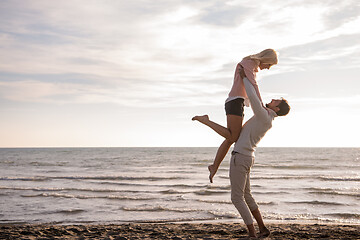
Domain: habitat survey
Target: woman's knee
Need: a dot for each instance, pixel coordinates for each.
(234, 135)
(232, 138)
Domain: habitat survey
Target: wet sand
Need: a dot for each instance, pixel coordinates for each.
(176, 231)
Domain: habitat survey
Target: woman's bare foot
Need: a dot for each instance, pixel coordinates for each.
(202, 119)
(212, 171)
(264, 232)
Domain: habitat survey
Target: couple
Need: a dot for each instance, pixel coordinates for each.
(244, 91)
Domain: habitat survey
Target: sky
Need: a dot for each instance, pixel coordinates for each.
(107, 73)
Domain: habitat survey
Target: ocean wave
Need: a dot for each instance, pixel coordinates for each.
(172, 191)
(329, 191)
(214, 201)
(289, 177)
(226, 187)
(70, 211)
(58, 189)
(344, 215)
(181, 171)
(224, 215)
(159, 209)
(269, 192)
(47, 178)
(132, 178)
(39, 189)
(327, 178)
(184, 219)
(48, 164)
(266, 203)
(275, 177)
(210, 192)
(229, 202)
(288, 217)
(224, 177)
(215, 214)
(350, 194)
(73, 189)
(312, 167)
(24, 178)
(315, 202)
(122, 183)
(280, 177)
(59, 195)
(182, 186)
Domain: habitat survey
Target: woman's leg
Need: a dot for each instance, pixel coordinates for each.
(222, 131)
(234, 124)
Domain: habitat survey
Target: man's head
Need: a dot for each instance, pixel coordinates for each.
(280, 106)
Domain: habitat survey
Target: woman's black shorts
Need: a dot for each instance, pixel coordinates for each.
(235, 107)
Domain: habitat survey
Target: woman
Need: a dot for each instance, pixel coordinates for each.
(234, 104)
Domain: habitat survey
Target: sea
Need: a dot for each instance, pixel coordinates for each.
(156, 185)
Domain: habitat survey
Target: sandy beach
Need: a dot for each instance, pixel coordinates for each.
(176, 231)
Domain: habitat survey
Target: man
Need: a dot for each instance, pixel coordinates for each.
(242, 158)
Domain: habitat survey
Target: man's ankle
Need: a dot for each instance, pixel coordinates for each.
(263, 229)
(251, 230)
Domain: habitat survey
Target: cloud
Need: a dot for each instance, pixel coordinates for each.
(225, 15)
(162, 94)
(149, 51)
(341, 52)
(342, 13)
(330, 101)
(145, 59)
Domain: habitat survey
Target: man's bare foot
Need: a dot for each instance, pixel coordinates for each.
(202, 119)
(212, 171)
(264, 232)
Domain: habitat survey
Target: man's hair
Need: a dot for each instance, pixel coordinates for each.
(284, 108)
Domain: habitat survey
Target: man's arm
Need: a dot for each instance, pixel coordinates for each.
(245, 72)
(255, 102)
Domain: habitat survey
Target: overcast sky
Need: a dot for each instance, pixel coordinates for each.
(78, 73)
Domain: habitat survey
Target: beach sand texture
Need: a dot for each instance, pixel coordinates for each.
(176, 231)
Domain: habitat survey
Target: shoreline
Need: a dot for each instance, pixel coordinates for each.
(200, 221)
(214, 230)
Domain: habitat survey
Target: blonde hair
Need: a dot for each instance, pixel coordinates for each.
(267, 56)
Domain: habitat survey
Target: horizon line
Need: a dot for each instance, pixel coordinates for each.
(170, 147)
